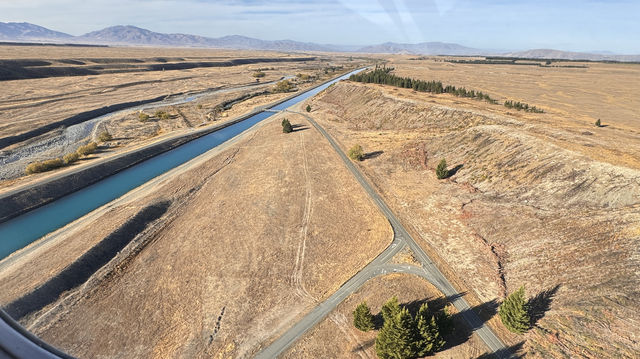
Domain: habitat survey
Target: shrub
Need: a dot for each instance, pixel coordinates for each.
(308, 108)
(441, 171)
(87, 149)
(286, 126)
(303, 76)
(105, 136)
(44, 166)
(362, 317)
(70, 158)
(356, 153)
(598, 123)
(514, 312)
(143, 117)
(162, 115)
(258, 74)
(283, 86)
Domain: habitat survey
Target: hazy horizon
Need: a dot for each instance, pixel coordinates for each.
(585, 26)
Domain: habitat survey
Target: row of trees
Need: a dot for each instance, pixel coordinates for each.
(403, 335)
(383, 75)
(521, 106)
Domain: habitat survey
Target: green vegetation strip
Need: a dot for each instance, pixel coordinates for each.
(383, 76)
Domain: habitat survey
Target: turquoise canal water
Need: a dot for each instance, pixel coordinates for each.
(18, 232)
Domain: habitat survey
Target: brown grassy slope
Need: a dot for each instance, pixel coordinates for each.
(259, 233)
(527, 205)
(336, 337)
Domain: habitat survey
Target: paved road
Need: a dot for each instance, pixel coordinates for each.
(379, 266)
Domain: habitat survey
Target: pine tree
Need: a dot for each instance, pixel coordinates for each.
(441, 170)
(362, 317)
(390, 308)
(514, 312)
(308, 108)
(286, 126)
(598, 123)
(430, 340)
(397, 338)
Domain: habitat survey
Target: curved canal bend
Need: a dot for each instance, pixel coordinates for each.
(20, 231)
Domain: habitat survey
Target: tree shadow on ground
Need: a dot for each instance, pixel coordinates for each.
(454, 170)
(541, 303)
(467, 321)
(508, 352)
(363, 346)
(297, 128)
(370, 155)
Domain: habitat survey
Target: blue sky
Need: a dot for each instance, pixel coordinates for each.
(493, 24)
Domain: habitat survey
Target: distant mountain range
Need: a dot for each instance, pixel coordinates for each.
(26, 31)
(131, 35)
(424, 48)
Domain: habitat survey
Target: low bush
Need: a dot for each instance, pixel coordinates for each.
(162, 115)
(259, 74)
(356, 153)
(87, 149)
(105, 136)
(70, 158)
(283, 86)
(143, 117)
(43, 166)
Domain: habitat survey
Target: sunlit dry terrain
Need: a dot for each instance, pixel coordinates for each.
(548, 201)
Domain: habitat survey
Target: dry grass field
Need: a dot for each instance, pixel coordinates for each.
(601, 90)
(29, 103)
(541, 200)
(256, 234)
(46, 86)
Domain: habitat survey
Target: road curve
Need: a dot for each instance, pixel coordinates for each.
(379, 266)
